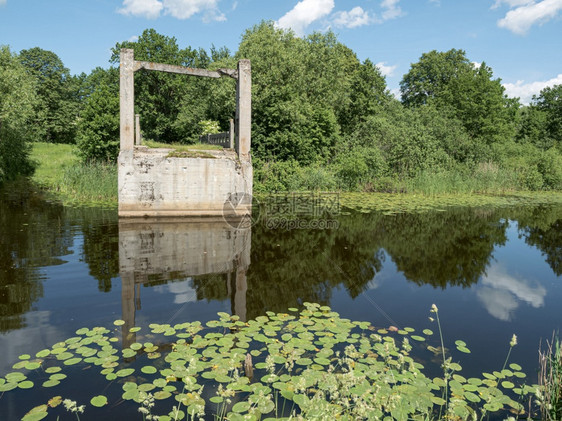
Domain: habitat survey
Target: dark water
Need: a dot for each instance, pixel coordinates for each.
(492, 273)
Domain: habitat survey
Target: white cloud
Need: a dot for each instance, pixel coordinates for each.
(391, 10)
(512, 3)
(184, 9)
(526, 14)
(385, 69)
(179, 9)
(149, 9)
(502, 293)
(134, 38)
(525, 91)
(183, 291)
(476, 64)
(2, 2)
(304, 13)
(352, 19)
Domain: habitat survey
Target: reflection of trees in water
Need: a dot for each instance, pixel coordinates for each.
(35, 233)
(101, 247)
(542, 228)
(291, 267)
(31, 235)
(443, 248)
(214, 286)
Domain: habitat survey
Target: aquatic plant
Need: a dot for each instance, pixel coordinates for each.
(549, 396)
(311, 364)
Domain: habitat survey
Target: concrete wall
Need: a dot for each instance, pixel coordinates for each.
(153, 184)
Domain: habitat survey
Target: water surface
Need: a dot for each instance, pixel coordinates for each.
(492, 273)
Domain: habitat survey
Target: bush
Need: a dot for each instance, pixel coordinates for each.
(98, 129)
(550, 167)
(359, 166)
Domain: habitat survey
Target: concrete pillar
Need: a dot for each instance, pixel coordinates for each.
(231, 133)
(127, 99)
(240, 294)
(137, 130)
(244, 110)
(128, 308)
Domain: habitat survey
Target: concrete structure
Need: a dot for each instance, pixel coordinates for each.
(177, 249)
(160, 182)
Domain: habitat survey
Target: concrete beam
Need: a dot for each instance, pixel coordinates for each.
(127, 99)
(244, 110)
(170, 68)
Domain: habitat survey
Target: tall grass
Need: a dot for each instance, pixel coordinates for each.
(90, 183)
(550, 380)
(60, 172)
(485, 178)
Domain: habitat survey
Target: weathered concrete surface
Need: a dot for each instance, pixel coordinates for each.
(244, 110)
(153, 184)
(127, 99)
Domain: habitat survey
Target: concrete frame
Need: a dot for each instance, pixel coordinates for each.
(199, 187)
(243, 76)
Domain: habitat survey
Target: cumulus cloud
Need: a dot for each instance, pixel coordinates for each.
(525, 14)
(391, 9)
(511, 3)
(149, 9)
(179, 9)
(184, 9)
(525, 91)
(386, 70)
(352, 19)
(502, 293)
(2, 2)
(304, 13)
(183, 291)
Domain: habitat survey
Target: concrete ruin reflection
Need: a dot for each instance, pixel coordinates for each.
(168, 249)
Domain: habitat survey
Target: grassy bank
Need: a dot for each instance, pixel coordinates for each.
(61, 173)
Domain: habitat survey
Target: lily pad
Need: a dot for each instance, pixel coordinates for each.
(99, 401)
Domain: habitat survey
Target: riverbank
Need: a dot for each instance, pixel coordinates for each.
(61, 174)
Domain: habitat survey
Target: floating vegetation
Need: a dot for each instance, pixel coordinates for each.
(390, 203)
(311, 364)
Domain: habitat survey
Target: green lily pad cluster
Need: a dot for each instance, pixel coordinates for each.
(308, 364)
(392, 203)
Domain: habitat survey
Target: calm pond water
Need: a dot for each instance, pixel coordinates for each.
(493, 272)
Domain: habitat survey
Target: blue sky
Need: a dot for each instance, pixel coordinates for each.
(520, 39)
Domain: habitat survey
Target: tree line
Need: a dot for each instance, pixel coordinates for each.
(321, 118)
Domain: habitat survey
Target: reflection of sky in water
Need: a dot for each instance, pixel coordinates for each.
(183, 291)
(502, 293)
(38, 334)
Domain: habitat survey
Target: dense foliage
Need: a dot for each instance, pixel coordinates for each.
(321, 118)
(17, 99)
(56, 108)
